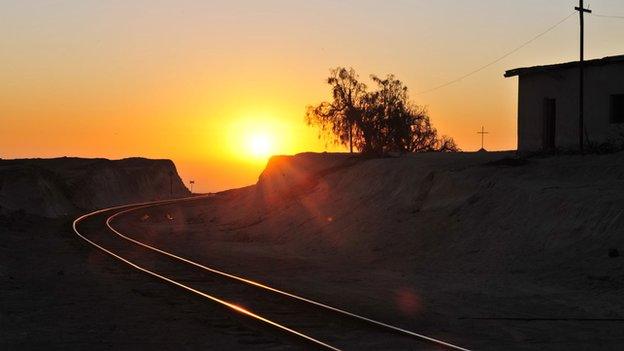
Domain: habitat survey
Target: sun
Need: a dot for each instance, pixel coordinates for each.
(259, 145)
(254, 138)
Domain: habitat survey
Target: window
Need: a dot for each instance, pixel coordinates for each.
(617, 108)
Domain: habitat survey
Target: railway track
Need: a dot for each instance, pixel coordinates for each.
(313, 323)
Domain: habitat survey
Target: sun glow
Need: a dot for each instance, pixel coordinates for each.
(260, 145)
(256, 136)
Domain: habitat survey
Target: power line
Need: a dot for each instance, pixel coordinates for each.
(498, 59)
(607, 16)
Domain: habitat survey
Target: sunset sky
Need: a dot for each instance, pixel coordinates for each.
(216, 85)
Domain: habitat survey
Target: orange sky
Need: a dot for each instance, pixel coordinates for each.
(194, 80)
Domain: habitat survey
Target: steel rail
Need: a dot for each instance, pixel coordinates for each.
(188, 288)
(275, 290)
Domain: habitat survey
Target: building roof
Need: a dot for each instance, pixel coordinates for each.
(542, 69)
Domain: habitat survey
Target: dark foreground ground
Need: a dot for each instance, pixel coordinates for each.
(56, 293)
(478, 310)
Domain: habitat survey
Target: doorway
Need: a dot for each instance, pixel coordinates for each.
(549, 124)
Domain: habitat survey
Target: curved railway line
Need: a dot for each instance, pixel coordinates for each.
(312, 322)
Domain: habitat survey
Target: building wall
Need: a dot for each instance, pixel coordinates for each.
(600, 83)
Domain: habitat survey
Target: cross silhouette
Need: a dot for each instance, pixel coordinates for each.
(482, 132)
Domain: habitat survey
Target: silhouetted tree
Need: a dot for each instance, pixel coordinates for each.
(343, 113)
(375, 122)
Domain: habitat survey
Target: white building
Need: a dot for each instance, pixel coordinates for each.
(548, 104)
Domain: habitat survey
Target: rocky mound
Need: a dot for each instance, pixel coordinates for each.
(67, 185)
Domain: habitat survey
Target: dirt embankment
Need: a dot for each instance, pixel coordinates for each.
(62, 186)
(484, 211)
(492, 252)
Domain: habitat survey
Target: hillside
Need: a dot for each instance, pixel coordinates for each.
(491, 251)
(62, 186)
(484, 209)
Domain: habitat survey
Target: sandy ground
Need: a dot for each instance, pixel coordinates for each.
(486, 253)
(56, 293)
(477, 249)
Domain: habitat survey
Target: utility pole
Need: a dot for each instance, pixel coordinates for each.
(582, 10)
(482, 132)
(191, 183)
